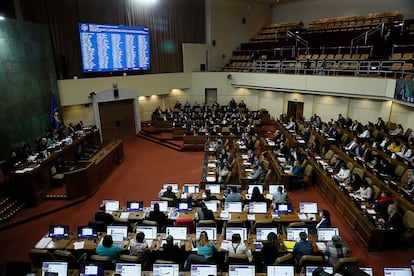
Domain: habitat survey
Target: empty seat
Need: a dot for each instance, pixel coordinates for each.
(342, 263)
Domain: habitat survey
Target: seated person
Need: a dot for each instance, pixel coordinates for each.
(295, 181)
(343, 173)
(158, 216)
(355, 181)
(203, 213)
(381, 204)
(223, 171)
(336, 249)
(257, 196)
(172, 252)
(302, 247)
(351, 145)
(325, 219)
(102, 216)
(209, 196)
(257, 175)
(270, 250)
(107, 248)
(392, 220)
(139, 247)
(410, 183)
(398, 131)
(169, 193)
(394, 147)
(280, 196)
(236, 246)
(234, 196)
(205, 252)
(384, 167)
(365, 190)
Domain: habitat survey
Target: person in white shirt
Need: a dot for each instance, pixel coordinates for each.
(365, 191)
(365, 134)
(343, 173)
(351, 145)
(236, 246)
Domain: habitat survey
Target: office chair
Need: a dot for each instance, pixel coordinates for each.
(310, 260)
(342, 263)
(73, 262)
(38, 256)
(99, 225)
(108, 265)
(285, 259)
(129, 258)
(237, 259)
(56, 177)
(207, 222)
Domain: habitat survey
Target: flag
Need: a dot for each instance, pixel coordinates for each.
(55, 119)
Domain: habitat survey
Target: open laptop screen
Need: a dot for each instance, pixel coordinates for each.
(261, 233)
(250, 188)
(128, 269)
(91, 269)
(245, 270)
(236, 230)
(308, 207)
(257, 207)
(284, 208)
(211, 205)
(280, 270)
(165, 269)
(191, 188)
(178, 233)
(292, 233)
(134, 205)
(59, 267)
(119, 233)
(111, 205)
(211, 232)
(214, 188)
(397, 271)
(87, 232)
(273, 189)
(150, 232)
(58, 231)
(184, 206)
(163, 205)
(174, 187)
(325, 234)
(203, 269)
(233, 207)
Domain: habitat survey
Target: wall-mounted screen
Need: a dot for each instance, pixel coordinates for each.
(404, 91)
(107, 48)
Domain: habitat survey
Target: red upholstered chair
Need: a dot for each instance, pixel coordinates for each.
(187, 222)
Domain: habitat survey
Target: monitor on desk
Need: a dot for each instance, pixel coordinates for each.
(261, 233)
(397, 271)
(237, 187)
(150, 232)
(128, 269)
(292, 233)
(174, 187)
(91, 269)
(58, 231)
(211, 205)
(325, 234)
(184, 206)
(214, 188)
(257, 207)
(111, 205)
(284, 208)
(236, 230)
(178, 232)
(163, 205)
(308, 208)
(87, 232)
(280, 270)
(251, 187)
(210, 230)
(203, 269)
(191, 188)
(134, 205)
(119, 233)
(233, 207)
(310, 269)
(55, 268)
(273, 189)
(240, 269)
(165, 269)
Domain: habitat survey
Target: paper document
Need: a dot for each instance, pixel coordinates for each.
(43, 243)
(302, 217)
(124, 215)
(321, 246)
(78, 245)
(251, 217)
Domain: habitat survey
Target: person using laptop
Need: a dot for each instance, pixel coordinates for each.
(102, 216)
(209, 196)
(108, 248)
(325, 219)
(302, 247)
(257, 196)
(172, 252)
(158, 216)
(139, 247)
(234, 196)
(270, 250)
(203, 213)
(236, 246)
(169, 193)
(205, 252)
(280, 196)
(336, 249)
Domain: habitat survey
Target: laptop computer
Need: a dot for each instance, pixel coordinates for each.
(54, 268)
(367, 270)
(178, 232)
(184, 206)
(233, 207)
(280, 270)
(191, 188)
(211, 205)
(214, 188)
(150, 232)
(91, 269)
(134, 205)
(397, 271)
(128, 269)
(273, 189)
(284, 208)
(310, 269)
(163, 205)
(87, 232)
(257, 207)
(325, 234)
(111, 205)
(240, 269)
(239, 230)
(165, 269)
(261, 233)
(292, 233)
(58, 231)
(308, 208)
(119, 233)
(174, 187)
(211, 232)
(203, 269)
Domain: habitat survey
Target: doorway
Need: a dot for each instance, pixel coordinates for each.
(295, 110)
(117, 119)
(210, 96)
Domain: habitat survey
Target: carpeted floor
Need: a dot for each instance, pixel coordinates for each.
(146, 167)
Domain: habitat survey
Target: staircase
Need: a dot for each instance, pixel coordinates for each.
(9, 207)
(165, 139)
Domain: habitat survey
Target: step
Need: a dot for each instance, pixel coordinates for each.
(158, 140)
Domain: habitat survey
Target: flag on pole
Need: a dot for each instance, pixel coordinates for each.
(55, 119)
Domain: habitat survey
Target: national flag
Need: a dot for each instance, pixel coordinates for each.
(55, 119)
